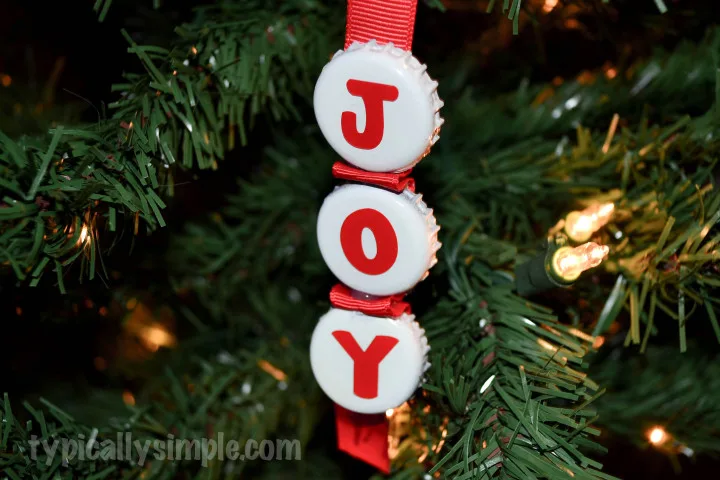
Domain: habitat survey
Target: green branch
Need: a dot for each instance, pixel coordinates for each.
(61, 191)
(263, 391)
(510, 377)
(664, 388)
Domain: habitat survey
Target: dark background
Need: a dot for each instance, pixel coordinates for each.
(35, 34)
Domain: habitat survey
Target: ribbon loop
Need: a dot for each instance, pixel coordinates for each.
(397, 182)
(393, 306)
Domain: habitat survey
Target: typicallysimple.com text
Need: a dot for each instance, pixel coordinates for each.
(123, 447)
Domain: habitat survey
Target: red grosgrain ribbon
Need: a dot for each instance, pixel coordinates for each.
(382, 20)
(363, 436)
(366, 436)
(397, 182)
(392, 306)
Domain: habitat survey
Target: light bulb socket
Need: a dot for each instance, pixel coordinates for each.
(539, 273)
(553, 268)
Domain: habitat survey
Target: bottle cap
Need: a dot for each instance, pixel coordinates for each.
(368, 364)
(376, 241)
(377, 107)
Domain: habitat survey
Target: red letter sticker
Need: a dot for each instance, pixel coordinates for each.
(385, 239)
(366, 363)
(373, 96)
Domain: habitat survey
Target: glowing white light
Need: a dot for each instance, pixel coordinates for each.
(580, 225)
(657, 436)
(569, 263)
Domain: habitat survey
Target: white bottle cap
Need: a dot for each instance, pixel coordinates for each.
(376, 241)
(394, 88)
(368, 364)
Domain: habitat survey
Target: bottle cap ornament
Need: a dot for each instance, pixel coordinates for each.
(376, 241)
(377, 107)
(368, 364)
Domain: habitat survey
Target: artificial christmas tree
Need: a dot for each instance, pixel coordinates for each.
(163, 274)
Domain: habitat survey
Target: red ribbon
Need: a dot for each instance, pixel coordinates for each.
(364, 437)
(384, 21)
(396, 182)
(392, 306)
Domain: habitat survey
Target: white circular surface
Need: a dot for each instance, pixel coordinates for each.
(399, 372)
(376, 241)
(410, 121)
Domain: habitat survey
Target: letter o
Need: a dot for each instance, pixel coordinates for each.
(385, 239)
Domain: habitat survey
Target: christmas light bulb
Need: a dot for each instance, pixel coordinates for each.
(568, 262)
(83, 235)
(549, 5)
(155, 336)
(657, 435)
(128, 398)
(580, 225)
